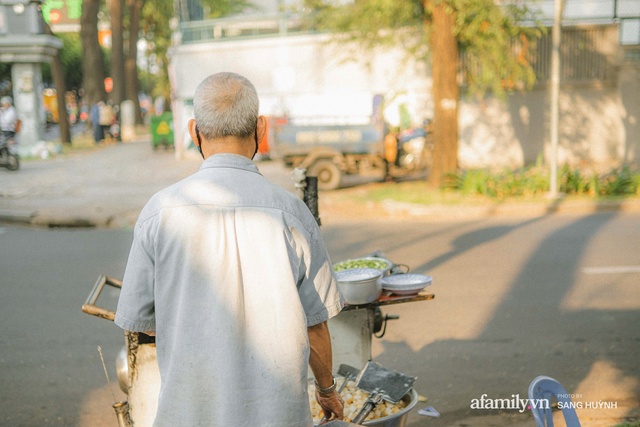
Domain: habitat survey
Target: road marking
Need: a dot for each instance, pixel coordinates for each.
(612, 270)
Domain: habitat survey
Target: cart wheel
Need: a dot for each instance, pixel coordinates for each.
(328, 174)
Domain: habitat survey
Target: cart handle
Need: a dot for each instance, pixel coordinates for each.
(90, 306)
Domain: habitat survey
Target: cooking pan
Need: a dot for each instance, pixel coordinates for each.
(381, 384)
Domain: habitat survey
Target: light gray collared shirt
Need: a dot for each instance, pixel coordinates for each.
(229, 270)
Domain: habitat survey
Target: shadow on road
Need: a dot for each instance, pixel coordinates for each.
(531, 333)
(502, 337)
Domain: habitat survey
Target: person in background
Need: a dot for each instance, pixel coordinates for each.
(8, 118)
(390, 152)
(230, 273)
(107, 118)
(94, 116)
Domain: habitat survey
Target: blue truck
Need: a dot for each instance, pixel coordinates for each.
(331, 151)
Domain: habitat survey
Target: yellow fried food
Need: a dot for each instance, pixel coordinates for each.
(354, 399)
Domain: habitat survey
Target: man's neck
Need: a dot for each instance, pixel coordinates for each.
(230, 145)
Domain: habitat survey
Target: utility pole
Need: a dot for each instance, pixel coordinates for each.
(556, 37)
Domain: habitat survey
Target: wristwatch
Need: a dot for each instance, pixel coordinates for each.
(326, 391)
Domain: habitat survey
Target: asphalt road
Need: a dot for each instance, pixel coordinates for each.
(515, 298)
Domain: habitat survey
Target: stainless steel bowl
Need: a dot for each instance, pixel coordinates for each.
(360, 285)
(399, 419)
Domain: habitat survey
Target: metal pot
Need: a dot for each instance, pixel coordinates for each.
(360, 285)
(399, 419)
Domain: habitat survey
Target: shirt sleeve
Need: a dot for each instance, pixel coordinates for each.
(318, 288)
(136, 307)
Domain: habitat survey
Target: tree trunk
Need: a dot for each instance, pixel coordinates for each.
(57, 73)
(92, 61)
(131, 69)
(444, 53)
(117, 51)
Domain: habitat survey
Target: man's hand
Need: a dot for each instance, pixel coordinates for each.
(320, 363)
(332, 405)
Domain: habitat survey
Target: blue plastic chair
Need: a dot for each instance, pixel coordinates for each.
(541, 390)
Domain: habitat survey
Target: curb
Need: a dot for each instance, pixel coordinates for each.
(69, 222)
(35, 219)
(334, 210)
(390, 210)
(18, 217)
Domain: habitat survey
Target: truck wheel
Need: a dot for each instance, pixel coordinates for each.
(328, 174)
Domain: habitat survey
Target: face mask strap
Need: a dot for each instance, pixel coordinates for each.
(256, 138)
(199, 141)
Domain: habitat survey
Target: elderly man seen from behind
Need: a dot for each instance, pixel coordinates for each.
(231, 274)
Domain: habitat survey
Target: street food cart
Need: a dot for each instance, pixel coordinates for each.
(352, 332)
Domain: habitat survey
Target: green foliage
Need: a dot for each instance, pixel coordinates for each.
(371, 23)
(474, 181)
(619, 182)
(495, 48)
(220, 8)
(156, 31)
(574, 182)
(534, 180)
(5, 78)
(71, 58)
(508, 183)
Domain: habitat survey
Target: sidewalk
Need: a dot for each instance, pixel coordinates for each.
(106, 186)
(94, 187)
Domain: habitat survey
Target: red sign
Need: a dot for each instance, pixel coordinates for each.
(108, 84)
(55, 16)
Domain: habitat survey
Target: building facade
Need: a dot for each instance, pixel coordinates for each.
(309, 78)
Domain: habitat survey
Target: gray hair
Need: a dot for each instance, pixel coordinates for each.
(226, 104)
(6, 100)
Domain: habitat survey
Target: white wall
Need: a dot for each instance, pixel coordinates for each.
(311, 79)
(307, 77)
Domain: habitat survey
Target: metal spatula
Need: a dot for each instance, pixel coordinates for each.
(349, 373)
(381, 384)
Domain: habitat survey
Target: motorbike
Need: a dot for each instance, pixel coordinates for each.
(8, 156)
(414, 149)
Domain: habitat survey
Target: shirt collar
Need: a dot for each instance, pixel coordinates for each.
(229, 160)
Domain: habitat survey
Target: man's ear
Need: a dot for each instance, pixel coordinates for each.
(262, 128)
(191, 126)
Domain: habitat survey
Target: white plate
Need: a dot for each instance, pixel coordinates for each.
(406, 284)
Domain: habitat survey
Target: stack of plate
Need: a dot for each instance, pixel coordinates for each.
(406, 284)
